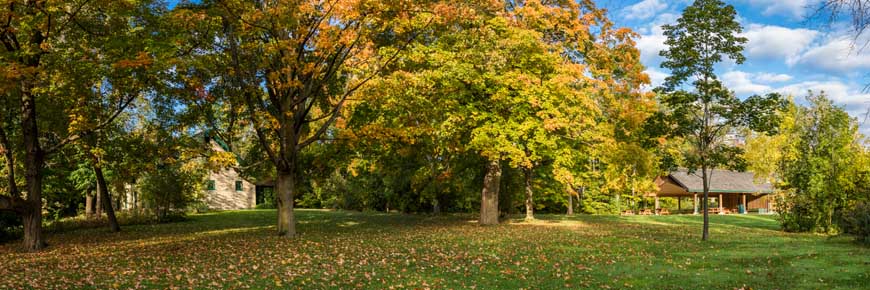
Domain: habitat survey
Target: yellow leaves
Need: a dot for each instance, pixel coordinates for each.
(222, 159)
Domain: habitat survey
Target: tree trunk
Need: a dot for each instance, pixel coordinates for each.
(570, 204)
(436, 206)
(530, 209)
(489, 195)
(89, 204)
(706, 233)
(98, 204)
(286, 186)
(120, 195)
(103, 192)
(33, 165)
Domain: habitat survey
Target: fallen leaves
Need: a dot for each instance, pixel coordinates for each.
(237, 250)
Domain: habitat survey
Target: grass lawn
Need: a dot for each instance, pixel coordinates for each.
(339, 249)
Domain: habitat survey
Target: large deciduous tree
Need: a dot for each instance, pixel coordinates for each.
(517, 83)
(291, 67)
(49, 51)
(706, 32)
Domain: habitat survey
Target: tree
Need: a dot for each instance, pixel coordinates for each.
(858, 12)
(502, 84)
(41, 83)
(705, 33)
(292, 66)
(822, 170)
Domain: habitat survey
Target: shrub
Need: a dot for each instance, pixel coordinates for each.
(856, 222)
(795, 213)
(169, 191)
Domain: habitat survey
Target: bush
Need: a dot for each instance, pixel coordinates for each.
(169, 191)
(795, 213)
(856, 222)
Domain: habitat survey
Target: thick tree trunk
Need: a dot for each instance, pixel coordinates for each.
(33, 165)
(285, 188)
(489, 195)
(706, 233)
(89, 204)
(33, 239)
(530, 209)
(103, 192)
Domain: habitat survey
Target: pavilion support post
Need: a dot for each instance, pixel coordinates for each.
(679, 206)
(657, 205)
(695, 204)
(720, 205)
(743, 201)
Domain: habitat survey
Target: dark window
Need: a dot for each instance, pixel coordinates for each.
(209, 185)
(239, 186)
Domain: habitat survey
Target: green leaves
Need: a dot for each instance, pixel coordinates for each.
(822, 167)
(705, 32)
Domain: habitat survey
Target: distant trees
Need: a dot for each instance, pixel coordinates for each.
(706, 32)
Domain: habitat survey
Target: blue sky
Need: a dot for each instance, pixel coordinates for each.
(785, 53)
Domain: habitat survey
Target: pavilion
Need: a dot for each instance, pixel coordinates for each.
(729, 190)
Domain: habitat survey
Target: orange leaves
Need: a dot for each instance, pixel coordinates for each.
(142, 60)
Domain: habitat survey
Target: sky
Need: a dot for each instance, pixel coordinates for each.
(786, 53)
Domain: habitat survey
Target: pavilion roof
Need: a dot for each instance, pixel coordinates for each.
(721, 181)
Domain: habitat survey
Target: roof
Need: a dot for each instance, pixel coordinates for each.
(725, 181)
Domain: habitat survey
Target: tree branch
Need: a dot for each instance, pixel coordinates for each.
(98, 128)
(351, 90)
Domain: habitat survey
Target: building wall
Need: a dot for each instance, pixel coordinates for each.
(733, 200)
(756, 202)
(225, 196)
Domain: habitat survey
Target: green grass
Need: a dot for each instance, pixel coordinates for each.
(338, 249)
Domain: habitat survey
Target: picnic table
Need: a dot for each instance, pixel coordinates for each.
(716, 210)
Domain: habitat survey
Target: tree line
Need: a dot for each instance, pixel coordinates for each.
(417, 106)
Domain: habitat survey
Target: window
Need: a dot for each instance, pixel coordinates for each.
(210, 185)
(238, 185)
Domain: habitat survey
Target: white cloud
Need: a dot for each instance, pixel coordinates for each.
(651, 44)
(837, 91)
(741, 83)
(836, 55)
(643, 10)
(772, 78)
(849, 97)
(796, 9)
(776, 42)
(656, 77)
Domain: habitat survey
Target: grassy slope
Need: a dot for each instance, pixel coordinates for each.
(353, 250)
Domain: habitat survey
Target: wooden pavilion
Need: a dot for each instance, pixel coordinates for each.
(729, 189)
